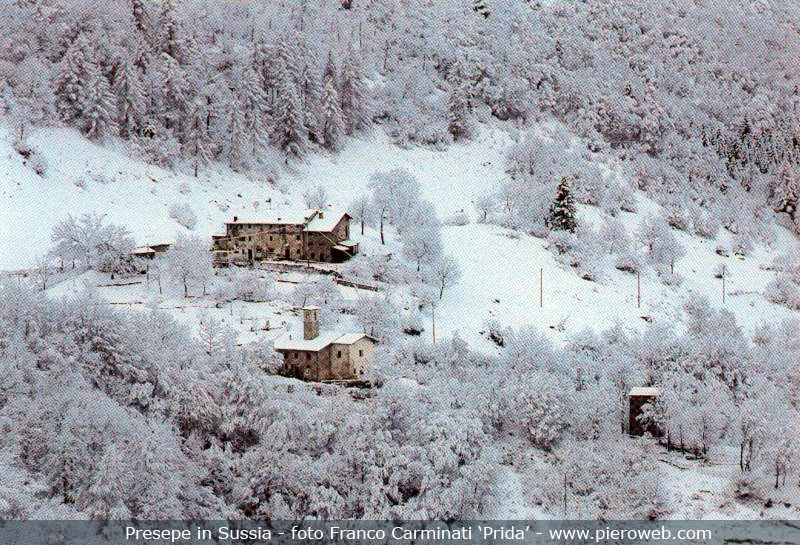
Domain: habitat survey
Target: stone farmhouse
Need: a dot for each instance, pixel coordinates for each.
(324, 356)
(314, 235)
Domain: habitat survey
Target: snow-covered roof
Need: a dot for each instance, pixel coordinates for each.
(327, 222)
(641, 391)
(350, 338)
(280, 217)
(293, 341)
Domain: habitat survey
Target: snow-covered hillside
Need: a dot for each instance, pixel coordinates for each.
(576, 289)
(502, 268)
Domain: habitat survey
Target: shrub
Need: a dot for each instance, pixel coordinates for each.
(183, 214)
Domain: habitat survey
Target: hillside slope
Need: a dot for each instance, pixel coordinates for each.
(501, 280)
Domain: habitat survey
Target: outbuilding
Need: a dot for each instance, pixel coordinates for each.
(637, 398)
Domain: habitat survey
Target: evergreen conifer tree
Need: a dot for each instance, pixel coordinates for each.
(562, 210)
(98, 114)
(256, 110)
(352, 94)
(332, 123)
(70, 83)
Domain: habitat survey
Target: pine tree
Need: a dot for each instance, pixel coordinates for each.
(175, 93)
(288, 116)
(70, 83)
(98, 115)
(312, 99)
(131, 98)
(169, 30)
(256, 110)
(196, 141)
(332, 124)
(352, 94)
(562, 210)
(330, 69)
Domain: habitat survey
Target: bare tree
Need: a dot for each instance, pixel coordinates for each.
(447, 272)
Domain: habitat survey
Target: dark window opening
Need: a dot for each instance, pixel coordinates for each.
(360, 352)
(339, 354)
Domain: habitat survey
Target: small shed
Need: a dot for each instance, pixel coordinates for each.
(637, 398)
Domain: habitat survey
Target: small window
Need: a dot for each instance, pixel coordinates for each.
(270, 238)
(339, 354)
(308, 355)
(360, 353)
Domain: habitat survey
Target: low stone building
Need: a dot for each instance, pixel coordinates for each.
(314, 235)
(151, 251)
(637, 398)
(324, 355)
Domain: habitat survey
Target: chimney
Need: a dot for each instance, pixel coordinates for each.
(320, 214)
(310, 323)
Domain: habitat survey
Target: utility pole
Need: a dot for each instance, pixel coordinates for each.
(541, 287)
(723, 285)
(638, 290)
(433, 322)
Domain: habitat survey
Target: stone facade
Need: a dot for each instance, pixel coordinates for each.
(316, 236)
(324, 356)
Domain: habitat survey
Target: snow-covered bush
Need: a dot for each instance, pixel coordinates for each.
(458, 219)
(183, 214)
(252, 287)
(782, 291)
(377, 316)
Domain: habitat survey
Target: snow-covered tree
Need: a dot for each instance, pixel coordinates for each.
(98, 113)
(315, 197)
(353, 94)
(256, 111)
(89, 239)
(238, 135)
(197, 138)
(287, 113)
(189, 262)
(131, 97)
(72, 79)
(458, 112)
(562, 211)
(394, 193)
(660, 244)
(332, 124)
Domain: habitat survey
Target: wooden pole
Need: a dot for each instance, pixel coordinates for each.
(433, 322)
(723, 285)
(541, 287)
(638, 290)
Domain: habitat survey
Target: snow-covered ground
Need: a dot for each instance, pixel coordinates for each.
(501, 271)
